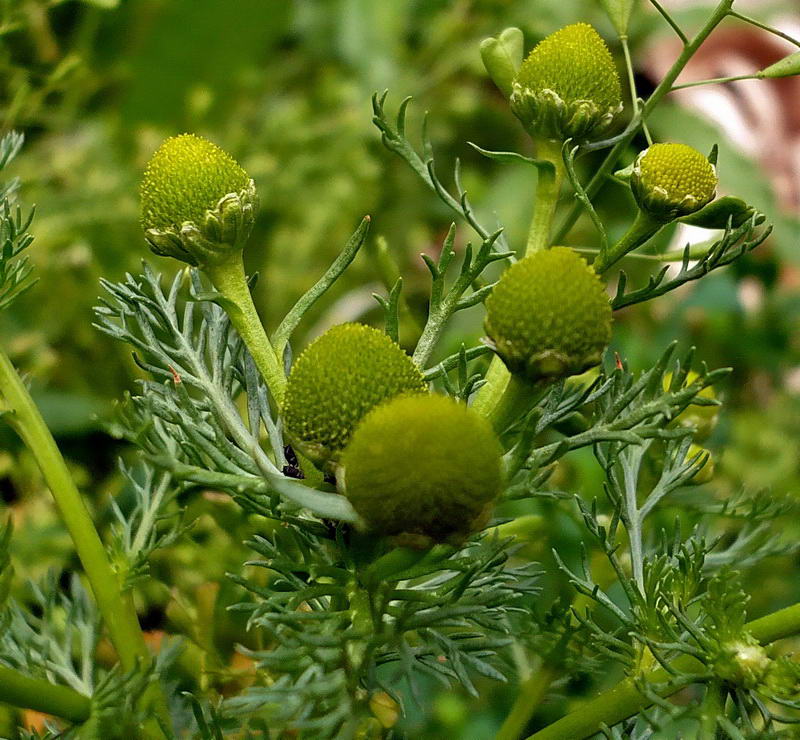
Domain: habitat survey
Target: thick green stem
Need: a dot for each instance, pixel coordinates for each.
(547, 189)
(643, 227)
(531, 693)
(116, 606)
(625, 699)
(711, 709)
(229, 279)
(33, 693)
(664, 87)
(489, 400)
(117, 610)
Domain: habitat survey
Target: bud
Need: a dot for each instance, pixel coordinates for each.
(742, 662)
(423, 466)
(568, 87)
(786, 67)
(549, 316)
(385, 709)
(705, 472)
(198, 204)
(337, 380)
(672, 180)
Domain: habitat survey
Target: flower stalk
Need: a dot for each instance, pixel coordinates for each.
(116, 605)
(33, 693)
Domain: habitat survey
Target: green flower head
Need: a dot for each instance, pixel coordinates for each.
(568, 87)
(672, 180)
(337, 380)
(197, 201)
(549, 315)
(422, 466)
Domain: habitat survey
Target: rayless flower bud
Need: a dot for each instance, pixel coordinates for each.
(549, 315)
(424, 466)
(742, 662)
(672, 180)
(198, 204)
(705, 472)
(337, 380)
(568, 87)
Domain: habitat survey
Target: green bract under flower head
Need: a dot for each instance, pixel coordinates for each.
(672, 180)
(197, 202)
(568, 87)
(549, 316)
(422, 465)
(337, 380)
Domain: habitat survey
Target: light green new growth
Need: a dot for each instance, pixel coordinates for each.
(186, 177)
(422, 465)
(673, 180)
(337, 380)
(549, 316)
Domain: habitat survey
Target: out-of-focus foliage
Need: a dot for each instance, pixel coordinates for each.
(285, 87)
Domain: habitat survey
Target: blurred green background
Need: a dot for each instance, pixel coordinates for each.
(285, 87)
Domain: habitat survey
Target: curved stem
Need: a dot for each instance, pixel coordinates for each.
(643, 227)
(34, 693)
(115, 605)
(625, 699)
(632, 84)
(229, 279)
(489, 400)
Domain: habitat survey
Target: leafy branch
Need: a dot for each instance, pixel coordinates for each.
(734, 243)
(444, 301)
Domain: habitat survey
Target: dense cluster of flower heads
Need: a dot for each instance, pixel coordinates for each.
(415, 464)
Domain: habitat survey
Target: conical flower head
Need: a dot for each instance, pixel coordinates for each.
(424, 466)
(549, 315)
(196, 200)
(568, 87)
(339, 378)
(672, 180)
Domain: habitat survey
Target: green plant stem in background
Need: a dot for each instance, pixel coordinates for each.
(643, 228)
(119, 613)
(720, 12)
(230, 280)
(531, 693)
(625, 699)
(19, 690)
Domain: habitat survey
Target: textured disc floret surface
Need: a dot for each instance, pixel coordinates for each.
(337, 380)
(187, 176)
(672, 180)
(549, 315)
(422, 465)
(568, 85)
